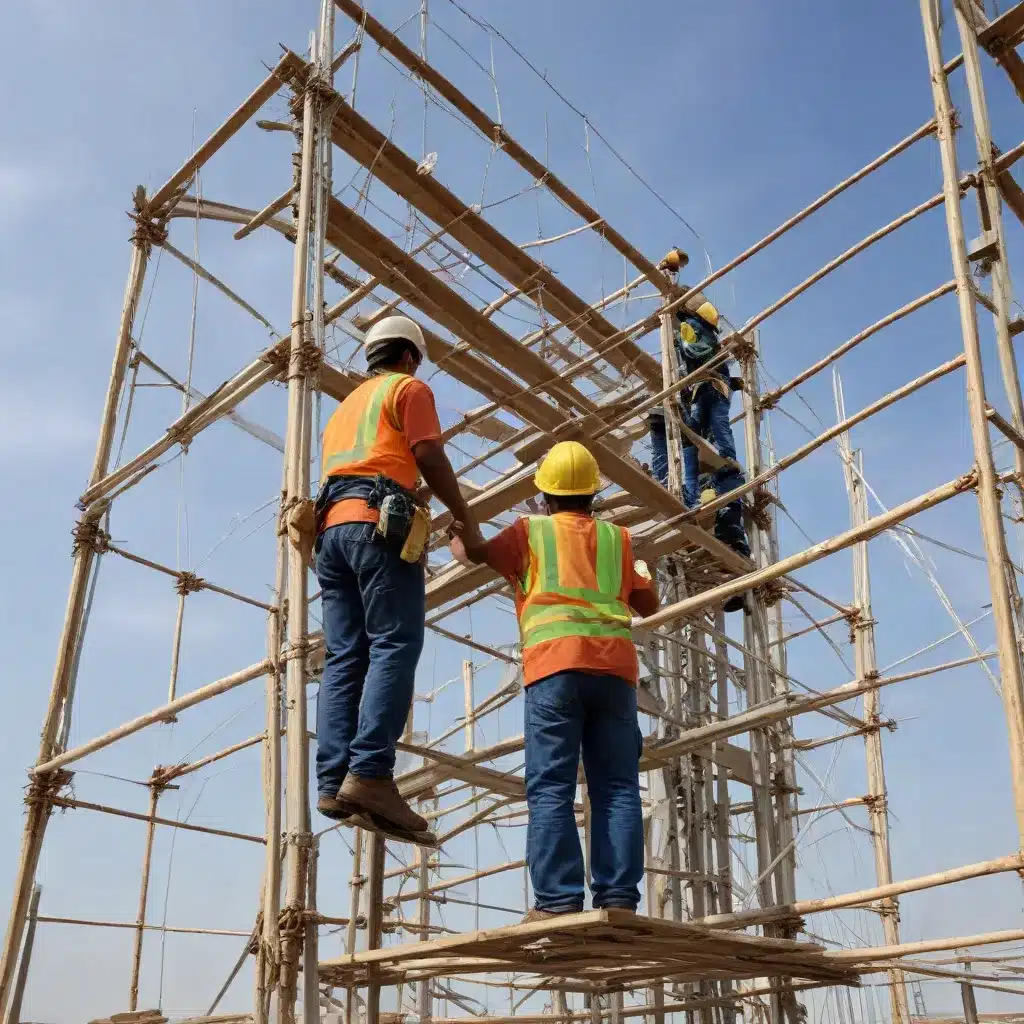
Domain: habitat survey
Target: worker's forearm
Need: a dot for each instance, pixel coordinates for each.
(439, 476)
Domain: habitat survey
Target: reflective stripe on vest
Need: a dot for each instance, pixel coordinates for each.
(550, 611)
(366, 441)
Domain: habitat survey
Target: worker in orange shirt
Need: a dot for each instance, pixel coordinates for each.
(575, 585)
(371, 531)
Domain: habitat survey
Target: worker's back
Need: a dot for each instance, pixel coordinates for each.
(364, 436)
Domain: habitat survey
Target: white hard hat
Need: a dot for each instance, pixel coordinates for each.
(393, 328)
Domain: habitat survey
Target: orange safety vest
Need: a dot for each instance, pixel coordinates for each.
(563, 596)
(364, 437)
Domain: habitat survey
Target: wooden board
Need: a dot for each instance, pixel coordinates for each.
(610, 949)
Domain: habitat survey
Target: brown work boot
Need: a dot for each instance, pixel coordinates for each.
(381, 798)
(332, 807)
(535, 915)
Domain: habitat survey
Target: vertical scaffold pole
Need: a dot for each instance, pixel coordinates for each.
(993, 537)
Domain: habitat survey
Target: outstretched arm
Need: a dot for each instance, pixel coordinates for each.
(439, 476)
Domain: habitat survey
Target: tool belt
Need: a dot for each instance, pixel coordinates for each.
(403, 519)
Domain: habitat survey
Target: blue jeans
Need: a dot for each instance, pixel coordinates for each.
(709, 417)
(374, 607)
(564, 713)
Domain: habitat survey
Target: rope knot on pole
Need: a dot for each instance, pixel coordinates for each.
(147, 233)
(772, 591)
(302, 840)
(87, 533)
(189, 583)
(44, 788)
(759, 508)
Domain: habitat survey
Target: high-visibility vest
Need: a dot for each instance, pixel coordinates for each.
(559, 597)
(364, 438)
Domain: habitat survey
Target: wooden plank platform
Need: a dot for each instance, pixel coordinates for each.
(603, 949)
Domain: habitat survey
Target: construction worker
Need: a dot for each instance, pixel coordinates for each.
(575, 582)
(704, 408)
(371, 531)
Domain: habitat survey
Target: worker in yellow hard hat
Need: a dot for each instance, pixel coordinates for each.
(576, 587)
(704, 408)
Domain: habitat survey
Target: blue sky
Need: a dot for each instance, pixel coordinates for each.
(736, 116)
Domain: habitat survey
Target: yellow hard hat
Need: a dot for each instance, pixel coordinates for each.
(708, 312)
(566, 470)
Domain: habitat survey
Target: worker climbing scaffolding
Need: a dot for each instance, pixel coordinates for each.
(372, 527)
(575, 584)
(704, 409)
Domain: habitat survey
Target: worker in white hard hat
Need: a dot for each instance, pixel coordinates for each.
(577, 587)
(705, 409)
(371, 531)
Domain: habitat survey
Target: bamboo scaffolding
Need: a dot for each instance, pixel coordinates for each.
(62, 687)
(790, 706)
(791, 911)
(274, 207)
(770, 398)
(187, 579)
(296, 490)
(14, 1010)
(988, 497)
(864, 956)
(171, 929)
(268, 437)
(830, 434)
(226, 131)
(871, 528)
(152, 819)
(140, 920)
(172, 772)
(497, 133)
(688, 673)
(161, 714)
(862, 630)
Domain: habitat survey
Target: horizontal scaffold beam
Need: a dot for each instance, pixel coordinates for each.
(361, 242)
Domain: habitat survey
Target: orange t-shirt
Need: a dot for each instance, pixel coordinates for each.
(509, 554)
(417, 413)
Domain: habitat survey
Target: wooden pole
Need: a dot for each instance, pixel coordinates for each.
(864, 897)
(670, 406)
(62, 685)
(159, 715)
(770, 398)
(140, 918)
(991, 202)
(229, 128)
(988, 492)
(269, 954)
(297, 441)
(759, 479)
(866, 955)
(310, 946)
(179, 621)
(356, 885)
(374, 921)
(766, 678)
(880, 523)
(863, 632)
(14, 1013)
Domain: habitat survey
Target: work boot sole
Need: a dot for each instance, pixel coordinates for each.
(375, 823)
(336, 810)
(381, 806)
